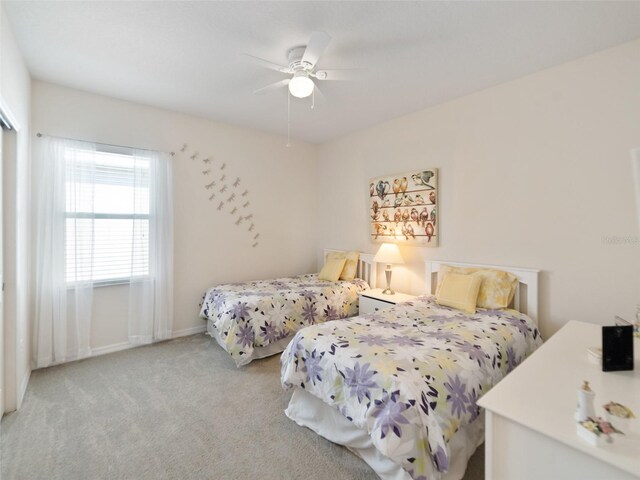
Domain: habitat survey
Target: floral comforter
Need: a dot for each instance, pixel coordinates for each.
(258, 314)
(410, 375)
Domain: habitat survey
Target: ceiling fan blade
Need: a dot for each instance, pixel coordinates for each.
(317, 43)
(273, 86)
(318, 94)
(266, 63)
(339, 74)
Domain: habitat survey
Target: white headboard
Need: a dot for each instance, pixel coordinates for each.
(366, 266)
(525, 299)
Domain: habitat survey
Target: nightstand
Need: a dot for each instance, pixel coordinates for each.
(374, 300)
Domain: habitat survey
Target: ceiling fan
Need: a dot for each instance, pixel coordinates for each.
(301, 66)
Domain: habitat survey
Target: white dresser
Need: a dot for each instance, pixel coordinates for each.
(530, 431)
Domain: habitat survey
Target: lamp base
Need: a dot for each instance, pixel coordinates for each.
(387, 272)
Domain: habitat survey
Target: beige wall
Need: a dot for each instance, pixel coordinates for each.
(209, 248)
(533, 173)
(15, 86)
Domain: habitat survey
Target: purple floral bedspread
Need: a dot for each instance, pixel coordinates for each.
(410, 375)
(257, 314)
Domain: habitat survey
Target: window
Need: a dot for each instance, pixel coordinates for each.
(107, 215)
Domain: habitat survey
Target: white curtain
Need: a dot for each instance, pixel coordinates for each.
(62, 310)
(151, 297)
(75, 191)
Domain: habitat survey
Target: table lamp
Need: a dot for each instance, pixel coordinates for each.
(388, 253)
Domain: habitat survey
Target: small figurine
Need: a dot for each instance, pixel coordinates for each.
(595, 429)
(585, 407)
(619, 415)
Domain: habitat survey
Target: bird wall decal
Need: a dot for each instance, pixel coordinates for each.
(396, 187)
(245, 193)
(223, 177)
(423, 178)
(206, 160)
(184, 147)
(223, 189)
(223, 166)
(414, 215)
(424, 216)
(235, 209)
(404, 183)
(429, 230)
(212, 196)
(210, 185)
(256, 236)
(239, 221)
(246, 204)
(249, 217)
(255, 245)
(231, 197)
(221, 205)
(194, 156)
(379, 228)
(206, 172)
(251, 227)
(382, 188)
(236, 182)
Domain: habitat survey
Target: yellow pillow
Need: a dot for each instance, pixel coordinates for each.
(350, 266)
(497, 288)
(332, 269)
(459, 291)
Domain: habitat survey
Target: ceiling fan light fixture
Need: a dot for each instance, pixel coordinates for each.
(301, 86)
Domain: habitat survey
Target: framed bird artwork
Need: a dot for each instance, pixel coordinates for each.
(403, 208)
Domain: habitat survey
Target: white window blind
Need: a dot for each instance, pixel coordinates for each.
(107, 216)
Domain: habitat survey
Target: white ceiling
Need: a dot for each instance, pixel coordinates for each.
(186, 56)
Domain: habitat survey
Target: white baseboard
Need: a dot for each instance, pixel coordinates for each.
(23, 389)
(114, 347)
(189, 331)
(117, 347)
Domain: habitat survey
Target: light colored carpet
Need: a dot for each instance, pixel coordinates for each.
(175, 410)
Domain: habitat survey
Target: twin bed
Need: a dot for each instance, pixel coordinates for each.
(399, 387)
(257, 319)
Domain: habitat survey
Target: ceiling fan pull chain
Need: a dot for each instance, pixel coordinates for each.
(313, 98)
(288, 118)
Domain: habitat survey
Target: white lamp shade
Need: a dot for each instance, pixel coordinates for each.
(301, 85)
(388, 253)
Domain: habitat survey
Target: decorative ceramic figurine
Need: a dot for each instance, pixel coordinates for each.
(585, 407)
(619, 415)
(596, 430)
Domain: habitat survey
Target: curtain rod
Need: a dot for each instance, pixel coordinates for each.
(40, 135)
